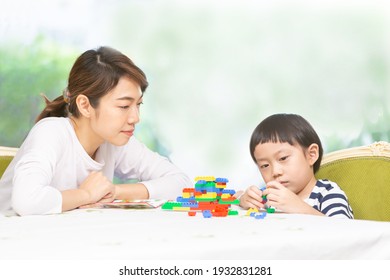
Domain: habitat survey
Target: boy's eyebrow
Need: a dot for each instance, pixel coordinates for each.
(282, 150)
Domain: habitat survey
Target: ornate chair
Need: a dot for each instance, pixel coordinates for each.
(364, 175)
(6, 156)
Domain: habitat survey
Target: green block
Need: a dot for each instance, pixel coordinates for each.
(232, 212)
(224, 202)
(205, 199)
(270, 210)
(210, 184)
(169, 205)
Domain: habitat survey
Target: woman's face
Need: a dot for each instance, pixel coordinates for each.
(118, 111)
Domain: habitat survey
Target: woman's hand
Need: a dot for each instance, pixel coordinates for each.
(98, 188)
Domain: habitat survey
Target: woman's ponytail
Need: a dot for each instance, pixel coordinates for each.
(56, 108)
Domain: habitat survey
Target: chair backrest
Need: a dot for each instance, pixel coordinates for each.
(363, 173)
(6, 156)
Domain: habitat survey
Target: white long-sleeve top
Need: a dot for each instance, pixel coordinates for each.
(52, 160)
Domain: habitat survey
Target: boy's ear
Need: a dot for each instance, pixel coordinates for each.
(83, 105)
(313, 153)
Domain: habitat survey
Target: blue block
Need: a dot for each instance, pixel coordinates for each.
(221, 180)
(260, 216)
(228, 191)
(206, 214)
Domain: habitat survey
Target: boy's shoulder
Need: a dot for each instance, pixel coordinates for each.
(325, 185)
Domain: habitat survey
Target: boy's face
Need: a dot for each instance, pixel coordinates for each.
(288, 164)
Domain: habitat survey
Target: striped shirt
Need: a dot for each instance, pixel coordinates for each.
(328, 198)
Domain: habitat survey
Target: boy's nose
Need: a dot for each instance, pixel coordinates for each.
(277, 171)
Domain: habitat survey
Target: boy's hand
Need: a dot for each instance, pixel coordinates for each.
(252, 198)
(284, 199)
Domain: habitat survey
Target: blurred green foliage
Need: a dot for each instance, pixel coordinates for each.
(25, 72)
(43, 67)
(215, 70)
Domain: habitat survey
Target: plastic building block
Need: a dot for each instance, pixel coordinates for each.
(271, 209)
(209, 195)
(206, 178)
(191, 213)
(251, 210)
(232, 212)
(169, 205)
(260, 215)
(180, 208)
(206, 214)
(221, 180)
(231, 192)
(182, 199)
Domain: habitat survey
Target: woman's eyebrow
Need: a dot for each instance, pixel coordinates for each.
(125, 98)
(129, 98)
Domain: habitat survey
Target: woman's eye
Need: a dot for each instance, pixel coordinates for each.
(124, 107)
(283, 158)
(139, 104)
(262, 166)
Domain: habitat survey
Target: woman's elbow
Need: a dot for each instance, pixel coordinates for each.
(23, 206)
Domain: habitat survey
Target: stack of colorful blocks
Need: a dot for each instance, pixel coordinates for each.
(209, 196)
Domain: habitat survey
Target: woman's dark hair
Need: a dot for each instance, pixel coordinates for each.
(283, 128)
(94, 74)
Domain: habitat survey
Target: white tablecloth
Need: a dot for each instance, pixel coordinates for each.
(159, 234)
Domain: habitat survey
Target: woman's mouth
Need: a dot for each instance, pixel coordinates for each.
(128, 133)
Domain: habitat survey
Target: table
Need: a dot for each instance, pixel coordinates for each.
(99, 234)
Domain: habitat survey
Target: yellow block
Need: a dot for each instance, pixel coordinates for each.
(251, 210)
(178, 208)
(206, 178)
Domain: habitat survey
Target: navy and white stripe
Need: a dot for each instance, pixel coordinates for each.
(328, 198)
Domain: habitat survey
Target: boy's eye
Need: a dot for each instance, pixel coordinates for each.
(283, 158)
(140, 103)
(124, 107)
(262, 166)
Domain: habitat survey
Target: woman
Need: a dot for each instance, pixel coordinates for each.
(85, 137)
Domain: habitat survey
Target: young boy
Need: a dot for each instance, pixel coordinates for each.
(288, 153)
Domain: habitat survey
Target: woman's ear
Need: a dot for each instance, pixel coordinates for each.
(83, 105)
(312, 153)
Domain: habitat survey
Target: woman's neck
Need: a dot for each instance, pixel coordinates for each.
(86, 136)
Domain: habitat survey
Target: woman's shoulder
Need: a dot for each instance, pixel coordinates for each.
(50, 130)
(57, 123)
(52, 126)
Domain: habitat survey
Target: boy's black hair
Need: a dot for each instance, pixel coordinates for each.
(290, 128)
